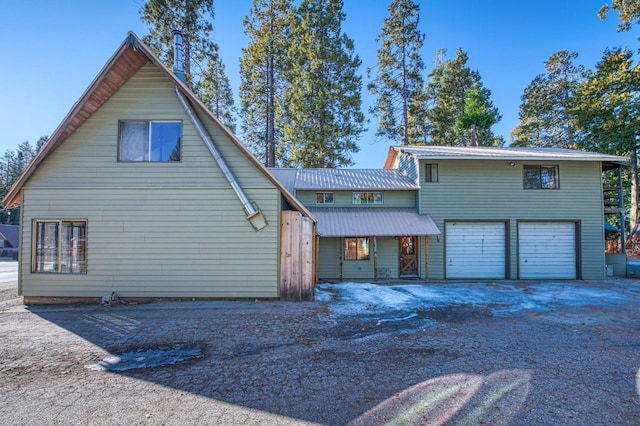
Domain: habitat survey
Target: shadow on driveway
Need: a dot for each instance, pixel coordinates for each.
(313, 362)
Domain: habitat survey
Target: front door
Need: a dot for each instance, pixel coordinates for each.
(408, 256)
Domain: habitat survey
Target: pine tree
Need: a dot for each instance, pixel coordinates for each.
(214, 90)
(201, 60)
(262, 71)
(11, 167)
(446, 94)
(322, 100)
(544, 119)
(628, 12)
(398, 83)
(607, 109)
(476, 120)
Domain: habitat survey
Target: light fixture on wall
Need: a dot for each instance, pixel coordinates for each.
(512, 164)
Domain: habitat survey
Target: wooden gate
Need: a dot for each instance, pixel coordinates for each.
(297, 243)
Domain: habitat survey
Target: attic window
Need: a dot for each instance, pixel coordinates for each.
(150, 141)
(367, 198)
(324, 197)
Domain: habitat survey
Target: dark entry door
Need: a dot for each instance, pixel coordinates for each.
(408, 256)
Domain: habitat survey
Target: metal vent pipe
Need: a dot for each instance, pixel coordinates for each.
(255, 217)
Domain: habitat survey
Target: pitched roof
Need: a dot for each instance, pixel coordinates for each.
(344, 179)
(11, 233)
(125, 62)
(374, 221)
(287, 177)
(499, 153)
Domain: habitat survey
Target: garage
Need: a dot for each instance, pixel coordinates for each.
(475, 250)
(547, 250)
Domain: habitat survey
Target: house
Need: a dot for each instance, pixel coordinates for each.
(510, 213)
(460, 213)
(9, 241)
(143, 192)
(369, 224)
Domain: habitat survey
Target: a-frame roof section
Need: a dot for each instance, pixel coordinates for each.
(125, 62)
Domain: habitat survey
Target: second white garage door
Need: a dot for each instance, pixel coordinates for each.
(475, 250)
(547, 250)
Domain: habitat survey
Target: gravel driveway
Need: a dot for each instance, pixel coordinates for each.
(293, 363)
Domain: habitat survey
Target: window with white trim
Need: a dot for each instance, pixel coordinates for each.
(431, 173)
(60, 246)
(367, 198)
(150, 141)
(324, 197)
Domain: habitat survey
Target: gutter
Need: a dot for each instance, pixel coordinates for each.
(255, 217)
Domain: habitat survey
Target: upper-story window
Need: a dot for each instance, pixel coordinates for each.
(540, 177)
(367, 198)
(324, 197)
(430, 172)
(150, 141)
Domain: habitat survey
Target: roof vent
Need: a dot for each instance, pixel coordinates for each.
(178, 55)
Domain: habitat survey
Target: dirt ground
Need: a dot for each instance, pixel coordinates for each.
(280, 363)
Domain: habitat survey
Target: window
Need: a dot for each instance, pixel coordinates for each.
(367, 198)
(60, 246)
(430, 172)
(324, 197)
(356, 248)
(540, 177)
(150, 140)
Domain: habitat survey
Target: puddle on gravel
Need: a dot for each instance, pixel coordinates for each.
(148, 358)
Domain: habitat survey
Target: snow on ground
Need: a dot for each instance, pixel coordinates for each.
(501, 298)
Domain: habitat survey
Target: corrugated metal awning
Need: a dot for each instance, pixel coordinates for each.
(372, 221)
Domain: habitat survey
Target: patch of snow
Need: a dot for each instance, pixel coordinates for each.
(501, 298)
(382, 321)
(148, 358)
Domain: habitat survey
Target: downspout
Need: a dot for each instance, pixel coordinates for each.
(255, 217)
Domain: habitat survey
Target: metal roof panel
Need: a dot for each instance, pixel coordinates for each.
(506, 153)
(372, 221)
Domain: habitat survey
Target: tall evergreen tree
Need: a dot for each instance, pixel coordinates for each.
(398, 84)
(544, 119)
(201, 59)
(262, 72)
(628, 12)
(214, 90)
(12, 164)
(479, 114)
(607, 109)
(446, 94)
(323, 117)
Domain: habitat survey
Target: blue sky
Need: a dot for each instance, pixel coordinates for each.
(50, 51)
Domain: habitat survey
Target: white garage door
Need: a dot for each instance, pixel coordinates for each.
(475, 250)
(547, 250)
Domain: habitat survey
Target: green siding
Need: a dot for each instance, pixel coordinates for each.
(154, 229)
(329, 259)
(493, 190)
(388, 261)
(396, 199)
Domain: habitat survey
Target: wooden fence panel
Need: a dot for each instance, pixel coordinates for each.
(297, 243)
